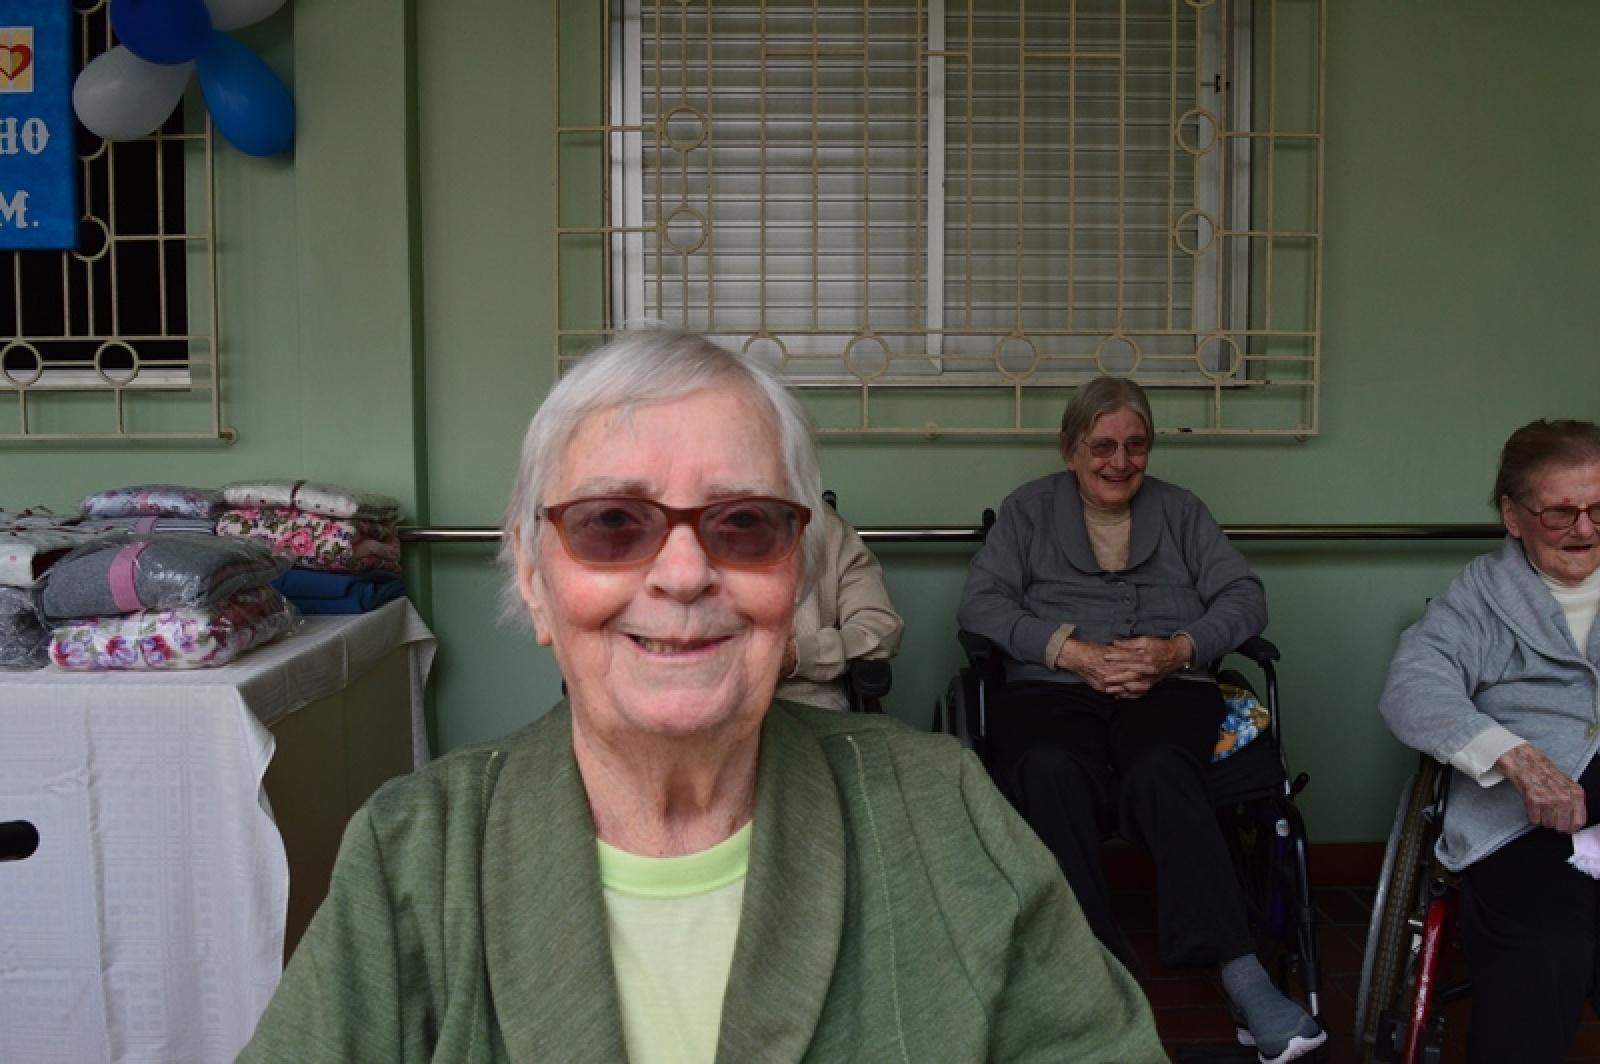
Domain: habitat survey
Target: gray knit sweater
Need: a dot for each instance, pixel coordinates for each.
(1494, 649)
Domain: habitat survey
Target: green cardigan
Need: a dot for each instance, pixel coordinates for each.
(896, 909)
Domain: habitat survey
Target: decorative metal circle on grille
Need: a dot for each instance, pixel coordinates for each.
(1235, 356)
(778, 363)
(1201, 5)
(999, 356)
(860, 362)
(1104, 348)
(1203, 120)
(94, 239)
(116, 376)
(682, 144)
(695, 224)
(1183, 223)
(9, 358)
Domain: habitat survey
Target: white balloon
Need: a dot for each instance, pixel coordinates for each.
(120, 96)
(233, 14)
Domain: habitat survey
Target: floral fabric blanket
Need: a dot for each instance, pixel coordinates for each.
(24, 637)
(31, 540)
(311, 497)
(153, 500)
(159, 571)
(186, 638)
(316, 541)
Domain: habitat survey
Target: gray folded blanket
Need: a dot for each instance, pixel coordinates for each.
(125, 574)
(24, 637)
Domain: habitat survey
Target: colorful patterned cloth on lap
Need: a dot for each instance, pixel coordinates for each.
(164, 570)
(174, 639)
(1247, 718)
(153, 500)
(315, 541)
(311, 497)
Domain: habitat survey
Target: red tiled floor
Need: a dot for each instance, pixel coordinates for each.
(1190, 1007)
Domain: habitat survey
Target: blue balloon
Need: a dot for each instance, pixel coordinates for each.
(247, 101)
(162, 31)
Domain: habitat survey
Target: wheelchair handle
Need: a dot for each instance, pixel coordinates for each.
(18, 840)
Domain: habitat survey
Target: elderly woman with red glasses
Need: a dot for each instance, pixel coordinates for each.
(671, 866)
(1501, 680)
(1109, 592)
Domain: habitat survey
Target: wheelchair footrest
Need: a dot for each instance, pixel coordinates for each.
(1216, 1053)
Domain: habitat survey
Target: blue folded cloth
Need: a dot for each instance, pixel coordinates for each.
(314, 591)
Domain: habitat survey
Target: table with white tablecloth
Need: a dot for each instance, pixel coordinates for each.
(150, 924)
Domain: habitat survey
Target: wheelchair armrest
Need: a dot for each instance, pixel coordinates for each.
(871, 678)
(983, 655)
(1258, 650)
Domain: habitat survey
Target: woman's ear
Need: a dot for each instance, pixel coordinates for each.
(1508, 517)
(531, 587)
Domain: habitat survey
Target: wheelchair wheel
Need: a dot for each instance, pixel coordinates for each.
(1388, 947)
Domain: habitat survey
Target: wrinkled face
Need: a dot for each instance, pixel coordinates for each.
(1568, 555)
(1110, 482)
(675, 646)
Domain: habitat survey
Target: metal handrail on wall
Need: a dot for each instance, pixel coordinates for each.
(942, 534)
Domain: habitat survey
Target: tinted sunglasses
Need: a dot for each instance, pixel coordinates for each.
(621, 531)
(1136, 446)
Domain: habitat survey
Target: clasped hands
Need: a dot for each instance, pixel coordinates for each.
(1127, 668)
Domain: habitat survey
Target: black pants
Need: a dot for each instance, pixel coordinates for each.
(1075, 762)
(1528, 925)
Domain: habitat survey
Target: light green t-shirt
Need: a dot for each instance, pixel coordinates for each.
(672, 922)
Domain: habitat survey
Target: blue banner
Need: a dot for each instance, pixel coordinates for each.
(38, 160)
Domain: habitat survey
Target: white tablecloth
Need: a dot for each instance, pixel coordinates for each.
(149, 926)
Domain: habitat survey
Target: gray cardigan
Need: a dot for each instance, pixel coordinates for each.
(1036, 571)
(1493, 649)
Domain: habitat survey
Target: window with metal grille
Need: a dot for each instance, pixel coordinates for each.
(126, 317)
(917, 195)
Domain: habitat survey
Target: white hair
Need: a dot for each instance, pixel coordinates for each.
(652, 366)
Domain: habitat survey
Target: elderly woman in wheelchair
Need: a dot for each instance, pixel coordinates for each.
(1109, 592)
(1501, 680)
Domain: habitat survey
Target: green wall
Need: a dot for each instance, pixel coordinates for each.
(388, 320)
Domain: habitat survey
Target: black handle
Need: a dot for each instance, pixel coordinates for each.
(18, 840)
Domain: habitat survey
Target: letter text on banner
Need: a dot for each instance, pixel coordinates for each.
(38, 163)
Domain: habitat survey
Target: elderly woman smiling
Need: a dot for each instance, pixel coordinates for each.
(671, 866)
(1501, 679)
(1109, 591)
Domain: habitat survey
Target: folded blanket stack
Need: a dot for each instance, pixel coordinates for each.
(324, 529)
(30, 542)
(162, 601)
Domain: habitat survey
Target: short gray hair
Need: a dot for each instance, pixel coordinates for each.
(1539, 446)
(1101, 396)
(652, 366)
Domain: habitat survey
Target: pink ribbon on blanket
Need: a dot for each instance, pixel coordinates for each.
(123, 590)
(145, 525)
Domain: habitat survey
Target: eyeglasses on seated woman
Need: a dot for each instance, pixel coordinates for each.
(671, 865)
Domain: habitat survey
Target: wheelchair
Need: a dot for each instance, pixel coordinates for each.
(1404, 967)
(1251, 790)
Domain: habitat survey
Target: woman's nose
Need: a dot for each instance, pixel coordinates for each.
(682, 569)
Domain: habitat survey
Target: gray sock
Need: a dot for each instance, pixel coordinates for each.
(1274, 1021)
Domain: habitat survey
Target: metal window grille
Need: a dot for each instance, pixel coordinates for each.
(117, 339)
(924, 205)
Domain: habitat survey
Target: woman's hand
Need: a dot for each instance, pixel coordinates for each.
(1552, 799)
(1127, 668)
